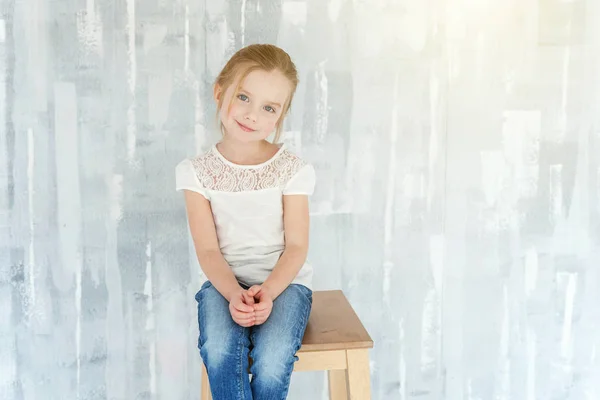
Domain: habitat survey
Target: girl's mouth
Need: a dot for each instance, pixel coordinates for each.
(245, 128)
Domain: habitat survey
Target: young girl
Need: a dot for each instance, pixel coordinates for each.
(247, 208)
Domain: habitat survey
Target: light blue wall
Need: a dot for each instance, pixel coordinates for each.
(457, 147)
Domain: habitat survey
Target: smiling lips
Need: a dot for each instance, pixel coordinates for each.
(245, 128)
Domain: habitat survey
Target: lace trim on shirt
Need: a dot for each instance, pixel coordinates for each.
(214, 174)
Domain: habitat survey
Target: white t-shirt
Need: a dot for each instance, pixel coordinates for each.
(247, 207)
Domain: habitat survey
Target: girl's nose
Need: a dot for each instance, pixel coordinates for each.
(251, 113)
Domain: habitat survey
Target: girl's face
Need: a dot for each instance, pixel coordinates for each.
(256, 107)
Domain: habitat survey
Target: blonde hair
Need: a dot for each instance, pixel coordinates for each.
(266, 57)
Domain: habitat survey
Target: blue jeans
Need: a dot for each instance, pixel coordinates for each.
(225, 346)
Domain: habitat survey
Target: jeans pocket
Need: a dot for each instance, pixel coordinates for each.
(305, 291)
(304, 304)
(203, 288)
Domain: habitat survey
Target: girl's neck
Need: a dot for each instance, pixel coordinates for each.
(244, 153)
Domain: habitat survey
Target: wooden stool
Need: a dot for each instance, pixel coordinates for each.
(336, 341)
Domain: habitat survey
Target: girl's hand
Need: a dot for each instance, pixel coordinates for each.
(241, 308)
(263, 303)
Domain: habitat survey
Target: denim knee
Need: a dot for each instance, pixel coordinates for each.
(277, 341)
(217, 352)
(220, 338)
(274, 364)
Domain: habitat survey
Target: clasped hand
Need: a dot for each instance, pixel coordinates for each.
(251, 307)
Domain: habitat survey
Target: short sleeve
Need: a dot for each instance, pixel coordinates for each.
(303, 182)
(186, 178)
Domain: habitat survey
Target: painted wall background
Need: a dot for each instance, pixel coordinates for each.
(457, 146)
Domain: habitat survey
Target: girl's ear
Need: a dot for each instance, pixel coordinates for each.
(217, 92)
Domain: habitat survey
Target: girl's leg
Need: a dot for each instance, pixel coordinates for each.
(276, 342)
(224, 347)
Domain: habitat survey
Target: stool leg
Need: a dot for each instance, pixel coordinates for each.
(359, 377)
(338, 381)
(205, 388)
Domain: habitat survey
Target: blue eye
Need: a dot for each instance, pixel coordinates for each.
(242, 97)
(270, 109)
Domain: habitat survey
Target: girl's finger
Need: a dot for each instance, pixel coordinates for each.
(244, 318)
(262, 318)
(242, 315)
(261, 306)
(248, 299)
(254, 290)
(261, 314)
(246, 324)
(243, 307)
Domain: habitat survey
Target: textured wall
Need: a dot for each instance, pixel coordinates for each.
(457, 145)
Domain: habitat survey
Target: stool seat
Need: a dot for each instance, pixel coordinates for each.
(333, 325)
(336, 341)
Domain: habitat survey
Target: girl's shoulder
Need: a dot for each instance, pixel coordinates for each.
(202, 161)
(291, 159)
(299, 176)
(195, 164)
(189, 175)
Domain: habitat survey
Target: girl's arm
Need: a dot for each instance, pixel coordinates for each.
(204, 234)
(296, 226)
